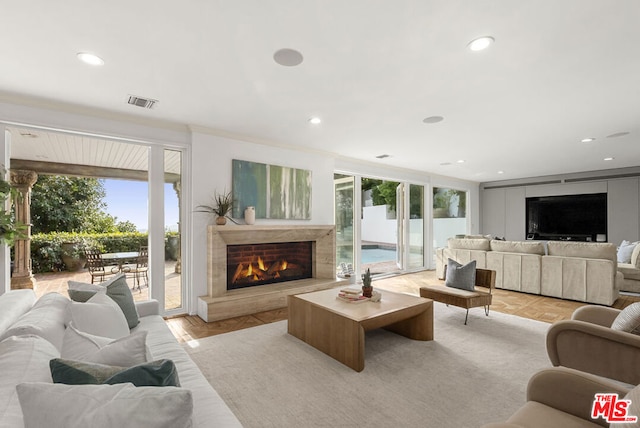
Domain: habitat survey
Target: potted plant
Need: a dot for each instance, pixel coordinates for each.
(367, 289)
(73, 256)
(222, 204)
(10, 228)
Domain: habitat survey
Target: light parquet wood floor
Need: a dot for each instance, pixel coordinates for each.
(531, 306)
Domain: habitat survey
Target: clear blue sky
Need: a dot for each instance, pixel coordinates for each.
(128, 200)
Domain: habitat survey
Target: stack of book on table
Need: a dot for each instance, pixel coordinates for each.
(351, 295)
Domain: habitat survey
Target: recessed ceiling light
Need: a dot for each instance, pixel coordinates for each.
(609, 159)
(587, 140)
(315, 120)
(481, 43)
(618, 134)
(460, 161)
(500, 172)
(433, 119)
(288, 57)
(89, 58)
(383, 156)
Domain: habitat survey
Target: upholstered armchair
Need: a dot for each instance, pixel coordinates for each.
(588, 343)
(563, 398)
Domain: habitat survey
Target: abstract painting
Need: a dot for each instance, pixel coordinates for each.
(276, 192)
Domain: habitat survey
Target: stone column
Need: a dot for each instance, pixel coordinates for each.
(178, 188)
(23, 181)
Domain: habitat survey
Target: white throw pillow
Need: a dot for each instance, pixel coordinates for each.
(22, 359)
(628, 319)
(100, 316)
(125, 352)
(116, 288)
(625, 250)
(104, 406)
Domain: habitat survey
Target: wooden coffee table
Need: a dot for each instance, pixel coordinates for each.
(337, 328)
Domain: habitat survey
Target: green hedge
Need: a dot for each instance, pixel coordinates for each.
(47, 251)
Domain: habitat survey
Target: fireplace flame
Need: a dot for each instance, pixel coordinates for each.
(254, 264)
(261, 271)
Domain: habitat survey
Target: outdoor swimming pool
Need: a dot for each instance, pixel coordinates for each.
(375, 255)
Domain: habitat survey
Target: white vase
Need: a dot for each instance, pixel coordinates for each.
(250, 215)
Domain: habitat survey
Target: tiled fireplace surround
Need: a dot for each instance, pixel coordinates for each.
(221, 303)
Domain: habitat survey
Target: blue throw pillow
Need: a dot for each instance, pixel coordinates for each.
(461, 276)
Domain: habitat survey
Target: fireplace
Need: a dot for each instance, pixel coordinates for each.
(222, 302)
(251, 265)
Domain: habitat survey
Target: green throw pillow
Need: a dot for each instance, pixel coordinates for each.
(155, 373)
(81, 292)
(117, 289)
(459, 276)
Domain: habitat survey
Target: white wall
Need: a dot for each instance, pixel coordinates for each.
(211, 172)
(445, 228)
(376, 227)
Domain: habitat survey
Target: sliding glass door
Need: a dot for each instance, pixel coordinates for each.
(380, 230)
(388, 234)
(173, 289)
(344, 202)
(449, 215)
(416, 227)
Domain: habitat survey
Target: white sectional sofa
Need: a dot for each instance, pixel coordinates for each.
(581, 271)
(31, 334)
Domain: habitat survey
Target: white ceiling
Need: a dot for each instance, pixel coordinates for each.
(559, 71)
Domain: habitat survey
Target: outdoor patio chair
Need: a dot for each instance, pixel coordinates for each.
(97, 268)
(140, 269)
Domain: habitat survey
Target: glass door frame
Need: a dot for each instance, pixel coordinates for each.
(405, 226)
(157, 228)
(155, 206)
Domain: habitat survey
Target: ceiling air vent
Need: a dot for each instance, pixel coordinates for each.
(141, 102)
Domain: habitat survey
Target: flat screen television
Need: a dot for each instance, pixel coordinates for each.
(568, 217)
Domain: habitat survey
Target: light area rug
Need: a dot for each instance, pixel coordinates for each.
(468, 376)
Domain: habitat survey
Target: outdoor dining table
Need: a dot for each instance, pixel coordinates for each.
(120, 258)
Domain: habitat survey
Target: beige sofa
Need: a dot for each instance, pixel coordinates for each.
(587, 343)
(581, 271)
(631, 272)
